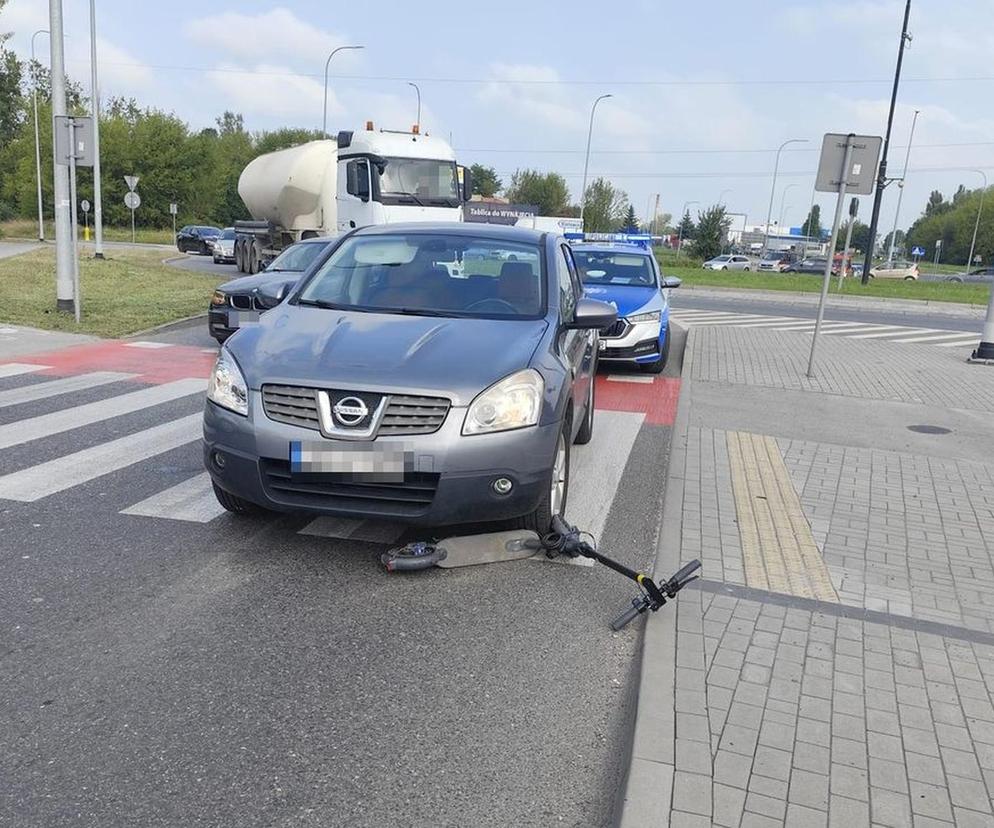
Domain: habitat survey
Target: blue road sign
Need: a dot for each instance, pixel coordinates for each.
(918, 252)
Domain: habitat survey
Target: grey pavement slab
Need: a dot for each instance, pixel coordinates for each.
(20, 341)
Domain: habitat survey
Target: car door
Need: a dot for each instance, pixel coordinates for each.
(576, 346)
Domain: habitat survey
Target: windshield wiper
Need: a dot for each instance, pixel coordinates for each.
(411, 196)
(321, 303)
(416, 312)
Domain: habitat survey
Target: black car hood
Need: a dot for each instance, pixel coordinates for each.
(246, 284)
(456, 358)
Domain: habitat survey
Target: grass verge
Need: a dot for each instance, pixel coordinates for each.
(129, 291)
(18, 229)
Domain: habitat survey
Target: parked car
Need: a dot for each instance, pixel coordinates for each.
(195, 238)
(980, 274)
(627, 276)
(382, 386)
(224, 247)
(728, 262)
(238, 302)
(895, 270)
(774, 261)
(811, 264)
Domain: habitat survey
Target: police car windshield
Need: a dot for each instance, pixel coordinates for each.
(621, 269)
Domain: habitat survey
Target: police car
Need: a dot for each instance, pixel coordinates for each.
(620, 269)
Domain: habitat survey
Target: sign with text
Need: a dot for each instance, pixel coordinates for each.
(73, 140)
(862, 173)
(492, 212)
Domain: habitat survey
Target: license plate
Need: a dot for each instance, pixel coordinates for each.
(237, 318)
(601, 345)
(366, 461)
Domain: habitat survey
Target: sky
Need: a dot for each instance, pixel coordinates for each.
(702, 94)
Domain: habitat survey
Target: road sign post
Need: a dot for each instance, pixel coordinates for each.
(132, 200)
(74, 148)
(173, 209)
(848, 165)
(85, 206)
(938, 251)
(853, 211)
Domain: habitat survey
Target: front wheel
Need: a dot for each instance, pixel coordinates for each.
(553, 501)
(745, 269)
(909, 278)
(586, 432)
(664, 355)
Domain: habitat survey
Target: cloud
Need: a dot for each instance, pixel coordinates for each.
(24, 17)
(271, 90)
(277, 34)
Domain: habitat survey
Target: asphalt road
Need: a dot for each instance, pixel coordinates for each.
(164, 672)
(205, 264)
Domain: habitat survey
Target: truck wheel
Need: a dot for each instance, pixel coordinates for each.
(253, 259)
(239, 256)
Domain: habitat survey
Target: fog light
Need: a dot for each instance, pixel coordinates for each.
(502, 485)
(219, 459)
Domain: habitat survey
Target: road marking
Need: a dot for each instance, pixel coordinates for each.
(36, 482)
(24, 431)
(630, 378)
(937, 337)
(904, 331)
(15, 369)
(750, 322)
(192, 500)
(866, 328)
(975, 339)
(372, 531)
(44, 390)
(149, 345)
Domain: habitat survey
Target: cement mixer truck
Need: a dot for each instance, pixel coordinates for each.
(328, 187)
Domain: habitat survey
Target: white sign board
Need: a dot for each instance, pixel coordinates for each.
(132, 201)
(862, 172)
(173, 208)
(74, 139)
(131, 181)
(85, 205)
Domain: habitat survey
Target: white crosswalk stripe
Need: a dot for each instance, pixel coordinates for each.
(855, 330)
(53, 388)
(34, 428)
(36, 482)
(16, 369)
(192, 500)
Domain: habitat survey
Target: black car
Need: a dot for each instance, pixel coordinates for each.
(810, 265)
(980, 274)
(195, 238)
(237, 302)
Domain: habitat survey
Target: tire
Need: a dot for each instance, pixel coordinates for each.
(216, 260)
(235, 504)
(252, 263)
(540, 521)
(658, 366)
(724, 268)
(586, 432)
(745, 269)
(240, 256)
(910, 279)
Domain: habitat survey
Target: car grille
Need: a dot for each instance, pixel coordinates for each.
(646, 347)
(407, 498)
(404, 415)
(615, 330)
(242, 301)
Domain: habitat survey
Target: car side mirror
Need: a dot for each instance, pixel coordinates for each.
(591, 314)
(269, 296)
(671, 282)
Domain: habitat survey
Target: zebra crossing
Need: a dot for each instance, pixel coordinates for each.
(901, 334)
(55, 415)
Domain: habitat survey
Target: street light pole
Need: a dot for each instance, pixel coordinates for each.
(976, 227)
(783, 200)
(324, 117)
(41, 216)
(98, 210)
(882, 173)
(586, 160)
(773, 190)
(985, 351)
(721, 198)
(64, 252)
(900, 195)
(679, 244)
(418, 90)
(648, 211)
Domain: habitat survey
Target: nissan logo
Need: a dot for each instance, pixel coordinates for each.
(350, 411)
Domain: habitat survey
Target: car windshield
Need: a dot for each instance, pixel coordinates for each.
(297, 258)
(208, 231)
(624, 269)
(418, 180)
(773, 256)
(722, 259)
(227, 234)
(430, 274)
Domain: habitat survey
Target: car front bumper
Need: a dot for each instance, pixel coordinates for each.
(640, 343)
(223, 321)
(449, 481)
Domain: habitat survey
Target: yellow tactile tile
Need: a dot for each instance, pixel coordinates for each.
(778, 550)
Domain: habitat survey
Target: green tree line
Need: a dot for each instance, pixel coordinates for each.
(953, 222)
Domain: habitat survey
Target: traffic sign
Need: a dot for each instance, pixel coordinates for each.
(173, 208)
(132, 200)
(131, 181)
(74, 140)
(85, 205)
(918, 252)
(862, 172)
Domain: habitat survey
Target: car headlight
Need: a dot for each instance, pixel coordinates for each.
(514, 402)
(651, 316)
(227, 386)
(219, 298)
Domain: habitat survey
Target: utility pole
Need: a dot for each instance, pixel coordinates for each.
(98, 210)
(327, 63)
(976, 227)
(901, 183)
(586, 159)
(773, 189)
(882, 174)
(34, 94)
(63, 221)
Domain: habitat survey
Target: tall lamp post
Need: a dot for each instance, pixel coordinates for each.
(976, 226)
(41, 217)
(773, 190)
(721, 198)
(324, 117)
(985, 351)
(586, 159)
(783, 201)
(98, 210)
(418, 90)
(679, 244)
(900, 184)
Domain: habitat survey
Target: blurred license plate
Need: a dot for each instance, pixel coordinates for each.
(601, 345)
(368, 461)
(237, 318)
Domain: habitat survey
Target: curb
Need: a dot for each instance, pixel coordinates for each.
(166, 326)
(649, 787)
(177, 258)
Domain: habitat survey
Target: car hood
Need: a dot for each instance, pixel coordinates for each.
(456, 358)
(627, 300)
(246, 284)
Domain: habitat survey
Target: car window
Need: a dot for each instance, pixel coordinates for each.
(228, 233)
(608, 268)
(567, 294)
(429, 274)
(297, 257)
(185, 229)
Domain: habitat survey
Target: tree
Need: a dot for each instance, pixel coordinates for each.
(604, 207)
(630, 223)
(686, 229)
(548, 191)
(860, 236)
(937, 204)
(712, 232)
(812, 224)
(284, 138)
(485, 180)
(899, 238)
(12, 109)
(660, 223)
(953, 226)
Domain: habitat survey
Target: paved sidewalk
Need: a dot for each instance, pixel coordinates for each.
(835, 666)
(19, 340)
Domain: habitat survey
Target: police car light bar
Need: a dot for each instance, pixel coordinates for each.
(640, 239)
